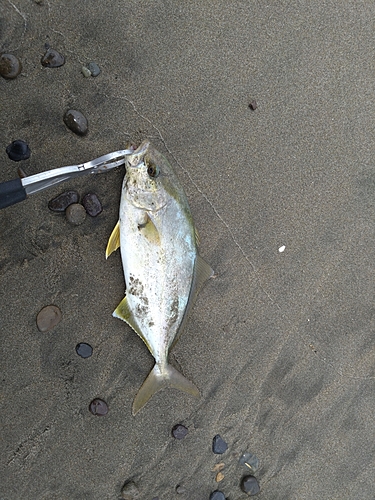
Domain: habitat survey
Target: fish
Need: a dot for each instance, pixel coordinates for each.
(162, 268)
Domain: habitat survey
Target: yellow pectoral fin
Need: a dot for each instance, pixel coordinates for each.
(149, 231)
(114, 241)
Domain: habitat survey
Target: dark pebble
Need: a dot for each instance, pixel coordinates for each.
(10, 66)
(129, 491)
(217, 495)
(253, 105)
(94, 68)
(61, 202)
(52, 59)
(75, 120)
(250, 485)
(84, 350)
(219, 446)
(179, 431)
(48, 318)
(18, 150)
(98, 407)
(75, 214)
(92, 204)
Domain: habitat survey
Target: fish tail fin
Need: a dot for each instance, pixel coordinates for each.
(157, 379)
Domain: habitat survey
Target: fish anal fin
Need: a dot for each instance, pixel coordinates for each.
(123, 312)
(196, 234)
(114, 241)
(158, 379)
(149, 231)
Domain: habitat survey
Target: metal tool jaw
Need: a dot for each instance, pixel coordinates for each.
(16, 190)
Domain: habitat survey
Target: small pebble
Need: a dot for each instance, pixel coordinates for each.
(217, 495)
(18, 150)
(84, 350)
(129, 491)
(250, 485)
(92, 204)
(21, 173)
(63, 200)
(219, 477)
(250, 461)
(76, 122)
(75, 214)
(180, 489)
(10, 66)
(52, 59)
(219, 446)
(179, 431)
(85, 72)
(98, 407)
(253, 105)
(94, 68)
(218, 467)
(48, 318)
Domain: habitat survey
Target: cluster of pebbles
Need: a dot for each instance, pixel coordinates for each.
(249, 483)
(75, 212)
(11, 67)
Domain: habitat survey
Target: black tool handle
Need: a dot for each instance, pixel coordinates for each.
(11, 192)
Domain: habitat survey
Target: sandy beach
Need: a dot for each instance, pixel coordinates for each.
(281, 342)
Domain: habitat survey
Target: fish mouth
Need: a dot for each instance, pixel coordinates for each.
(135, 160)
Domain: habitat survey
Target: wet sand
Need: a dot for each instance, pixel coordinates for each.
(280, 343)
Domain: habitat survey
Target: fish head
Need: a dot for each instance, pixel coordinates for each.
(149, 180)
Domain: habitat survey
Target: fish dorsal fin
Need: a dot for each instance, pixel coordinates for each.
(114, 241)
(123, 312)
(202, 273)
(149, 231)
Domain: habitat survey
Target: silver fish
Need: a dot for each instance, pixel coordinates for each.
(163, 271)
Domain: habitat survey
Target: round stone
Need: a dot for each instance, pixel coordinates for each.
(94, 68)
(48, 318)
(250, 485)
(180, 490)
(52, 59)
(98, 407)
(217, 495)
(10, 66)
(219, 446)
(84, 350)
(85, 72)
(76, 122)
(92, 204)
(18, 150)
(129, 491)
(63, 200)
(179, 431)
(75, 214)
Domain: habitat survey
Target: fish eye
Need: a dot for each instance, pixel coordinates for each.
(153, 170)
